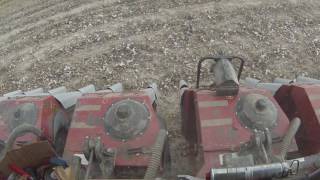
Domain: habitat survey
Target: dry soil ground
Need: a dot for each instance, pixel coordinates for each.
(48, 43)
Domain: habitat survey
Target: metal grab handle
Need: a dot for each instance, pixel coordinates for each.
(16, 133)
(216, 58)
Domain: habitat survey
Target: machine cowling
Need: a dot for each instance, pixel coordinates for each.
(126, 119)
(238, 129)
(303, 100)
(119, 133)
(256, 111)
(41, 112)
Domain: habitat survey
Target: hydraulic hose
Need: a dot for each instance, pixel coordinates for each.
(287, 140)
(266, 171)
(17, 132)
(274, 170)
(157, 151)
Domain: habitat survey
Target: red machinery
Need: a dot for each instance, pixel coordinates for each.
(49, 112)
(118, 133)
(35, 108)
(27, 116)
(300, 101)
(303, 100)
(243, 132)
(232, 127)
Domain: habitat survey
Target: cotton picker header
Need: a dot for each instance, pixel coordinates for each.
(251, 130)
(236, 129)
(102, 134)
(119, 133)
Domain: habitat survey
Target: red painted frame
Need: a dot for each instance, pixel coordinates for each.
(88, 121)
(47, 107)
(303, 101)
(210, 123)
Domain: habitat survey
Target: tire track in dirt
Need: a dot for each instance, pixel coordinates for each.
(39, 14)
(21, 42)
(57, 17)
(89, 50)
(27, 10)
(109, 12)
(164, 17)
(29, 36)
(64, 43)
(93, 51)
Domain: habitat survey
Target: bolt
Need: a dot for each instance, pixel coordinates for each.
(123, 111)
(261, 104)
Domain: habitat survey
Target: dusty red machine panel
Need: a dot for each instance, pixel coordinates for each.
(91, 120)
(218, 129)
(303, 101)
(44, 112)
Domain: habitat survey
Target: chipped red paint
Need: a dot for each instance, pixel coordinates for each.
(88, 121)
(210, 123)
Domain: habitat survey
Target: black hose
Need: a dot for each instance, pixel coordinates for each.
(157, 152)
(17, 132)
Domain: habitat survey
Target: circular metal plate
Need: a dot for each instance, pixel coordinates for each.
(126, 119)
(23, 113)
(256, 111)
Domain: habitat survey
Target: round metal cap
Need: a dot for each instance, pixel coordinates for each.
(256, 111)
(126, 119)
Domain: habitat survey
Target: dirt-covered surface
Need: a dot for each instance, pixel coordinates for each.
(49, 43)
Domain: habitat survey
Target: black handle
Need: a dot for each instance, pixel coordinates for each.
(216, 58)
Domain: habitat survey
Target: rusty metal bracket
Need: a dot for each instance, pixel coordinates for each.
(95, 150)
